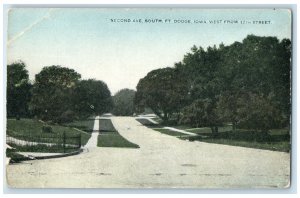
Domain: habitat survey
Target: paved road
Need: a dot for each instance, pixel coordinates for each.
(162, 161)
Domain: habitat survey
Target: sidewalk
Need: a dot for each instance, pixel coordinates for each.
(92, 143)
(180, 131)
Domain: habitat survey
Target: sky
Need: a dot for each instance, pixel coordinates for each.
(120, 53)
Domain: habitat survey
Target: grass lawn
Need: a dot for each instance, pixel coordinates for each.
(114, 139)
(84, 125)
(205, 130)
(105, 125)
(28, 129)
(41, 148)
(283, 146)
(276, 140)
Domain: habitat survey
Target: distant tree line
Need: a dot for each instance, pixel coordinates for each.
(57, 94)
(123, 102)
(246, 83)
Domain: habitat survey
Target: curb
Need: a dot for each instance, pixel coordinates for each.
(59, 155)
(51, 156)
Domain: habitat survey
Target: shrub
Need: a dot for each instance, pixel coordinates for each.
(67, 116)
(47, 129)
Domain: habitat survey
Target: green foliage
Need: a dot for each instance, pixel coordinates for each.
(258, 113)
(52, 92)
(67, 116)
(201, 113)
(18, 90)
(57, 94)
(228, 106)
(260, 66)
(91, 97)
(246, 83)
(258, 69)
(200, 68)
(47, 129)
(278, 141)
(42, 148)
(207, 130)
(84, 125)
(124, 102)
(162, 90)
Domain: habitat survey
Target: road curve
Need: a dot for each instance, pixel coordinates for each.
(162, 161)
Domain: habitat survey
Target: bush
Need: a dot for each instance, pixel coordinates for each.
(47, 129)
(259, 113)
(67, 116)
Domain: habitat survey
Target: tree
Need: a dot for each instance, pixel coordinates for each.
(164, 91)
(124, 102)
(52, 92)
(221, 80)
(91, 97)
(201, 70)
(258, 112)
(18, 90)
(258, 65)
(201, 113)
(228, 107)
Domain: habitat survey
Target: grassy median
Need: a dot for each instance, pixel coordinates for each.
(109, 136)
(114, 139)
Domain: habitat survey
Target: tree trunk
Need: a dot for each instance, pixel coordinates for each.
(158, 114)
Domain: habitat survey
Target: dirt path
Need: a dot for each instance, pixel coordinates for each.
(162, 161)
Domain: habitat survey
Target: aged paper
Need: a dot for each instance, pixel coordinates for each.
(148, 98)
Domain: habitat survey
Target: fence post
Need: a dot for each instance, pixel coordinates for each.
(64, 140)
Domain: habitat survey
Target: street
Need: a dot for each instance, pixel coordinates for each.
(162, 161)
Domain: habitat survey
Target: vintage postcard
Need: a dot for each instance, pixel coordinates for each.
(148, 98)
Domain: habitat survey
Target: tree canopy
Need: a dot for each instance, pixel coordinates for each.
(124, 102)
(52, 92)
(246, 83)
(162, 90)
(57, 94)
(220, 84)
(91, 97)
(18, 90)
